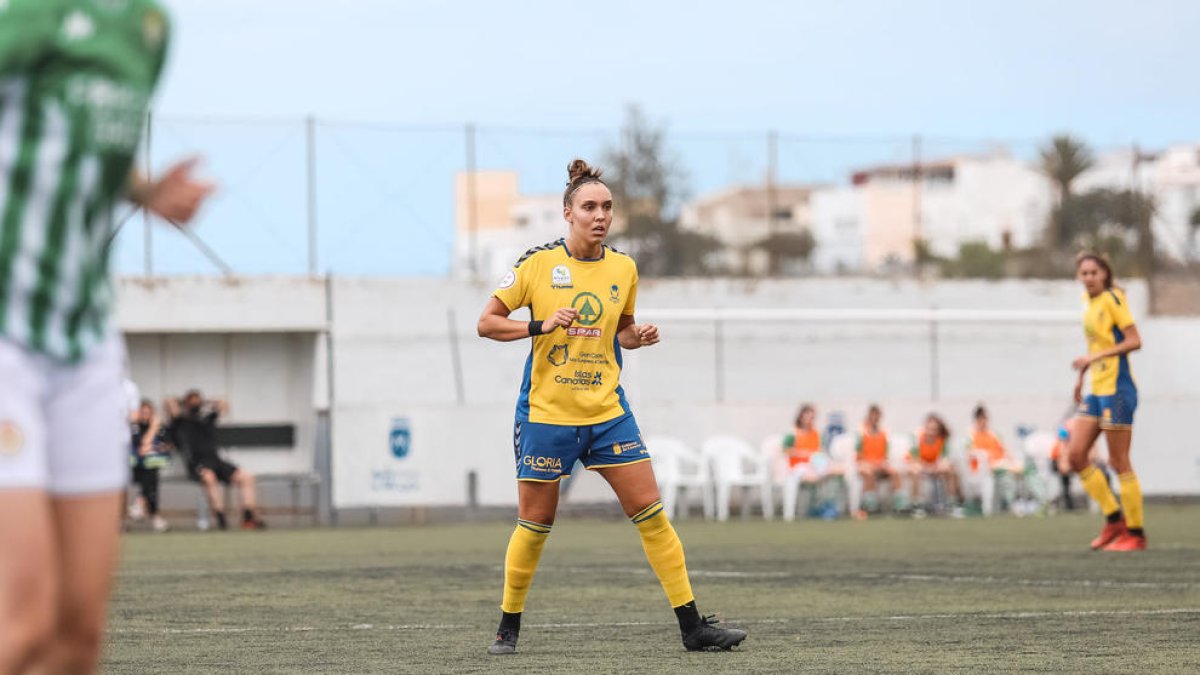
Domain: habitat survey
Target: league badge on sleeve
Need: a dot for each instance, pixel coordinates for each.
(508, 280)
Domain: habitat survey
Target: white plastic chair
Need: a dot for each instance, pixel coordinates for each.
(843, 451)
(981, 482)
(735, 464)
(1038, 446)
(771, 451)
(677, 468)
(900, 447)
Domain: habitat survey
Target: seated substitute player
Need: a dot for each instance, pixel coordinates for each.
(803, 444)
(76, 78)
(873, 461)
(808, 464)
(147, 456)
(194, 432)
(930, 457)
(581, 295)
(1008, 471)
(1111, 336)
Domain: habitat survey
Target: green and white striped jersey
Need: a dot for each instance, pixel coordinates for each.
(76, 78)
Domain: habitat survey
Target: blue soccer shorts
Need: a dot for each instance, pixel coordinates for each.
(1114, 411)
(546, 452)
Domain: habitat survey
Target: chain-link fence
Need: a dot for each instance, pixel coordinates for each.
(316, 196)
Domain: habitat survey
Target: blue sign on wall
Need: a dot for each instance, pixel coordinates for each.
(400, 437)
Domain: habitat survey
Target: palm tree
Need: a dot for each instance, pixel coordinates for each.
(1062, 162)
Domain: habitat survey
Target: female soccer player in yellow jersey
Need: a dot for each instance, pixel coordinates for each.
(1111, 336)
(581, 295)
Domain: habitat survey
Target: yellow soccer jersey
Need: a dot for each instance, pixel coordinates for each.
(572, 375)
(1105, 318)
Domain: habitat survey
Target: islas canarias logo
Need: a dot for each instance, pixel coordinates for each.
(589, 307)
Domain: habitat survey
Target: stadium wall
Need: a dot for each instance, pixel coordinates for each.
(419, 403)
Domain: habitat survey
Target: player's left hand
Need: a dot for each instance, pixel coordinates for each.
(176, 196)
(1081, 362)
(647, 334)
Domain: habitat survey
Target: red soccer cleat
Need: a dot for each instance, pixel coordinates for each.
(1127, 542)
(1109, 534)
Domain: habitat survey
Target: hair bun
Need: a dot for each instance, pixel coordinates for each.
(579, 170)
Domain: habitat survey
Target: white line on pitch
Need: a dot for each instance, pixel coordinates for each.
(626, 624)
(1086, 583)
(714, 574)
(1013, 615)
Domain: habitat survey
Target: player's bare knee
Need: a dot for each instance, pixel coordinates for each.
(1120, 463)
(28, 620)
(78, 638)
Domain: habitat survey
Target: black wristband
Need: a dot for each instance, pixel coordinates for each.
(535, 328)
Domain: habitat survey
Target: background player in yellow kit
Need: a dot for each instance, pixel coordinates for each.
(581, 294)
(1111, 336)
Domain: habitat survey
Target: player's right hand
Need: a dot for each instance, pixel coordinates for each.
(1079, 391)
(563, 317)
(176, 196)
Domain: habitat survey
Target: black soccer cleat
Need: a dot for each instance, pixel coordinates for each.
(506, 642)
(707, 636)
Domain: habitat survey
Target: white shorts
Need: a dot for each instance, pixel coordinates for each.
(63, 427)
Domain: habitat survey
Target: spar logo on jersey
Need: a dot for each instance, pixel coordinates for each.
(559, 355)
(11, 439)
(589, 307)
(579, 331)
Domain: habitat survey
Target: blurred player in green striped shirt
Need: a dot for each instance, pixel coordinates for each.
(76, 77)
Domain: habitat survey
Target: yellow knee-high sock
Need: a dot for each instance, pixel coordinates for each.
(1131, 500)
(665, 553)
(524, 550)
(1097, 486)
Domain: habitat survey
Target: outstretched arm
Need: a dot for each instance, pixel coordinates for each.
(495, 324)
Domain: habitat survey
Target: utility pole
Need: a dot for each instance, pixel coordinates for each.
(472, 216)
(310, 156)
(918, 243)
(772, 202)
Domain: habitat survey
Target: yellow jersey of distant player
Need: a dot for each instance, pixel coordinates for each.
(1105, 320)
(572, 375)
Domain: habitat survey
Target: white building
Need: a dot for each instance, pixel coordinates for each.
(1171, 177)
(875, 221)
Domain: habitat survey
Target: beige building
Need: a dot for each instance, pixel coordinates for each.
(740, 217)
(499, 224)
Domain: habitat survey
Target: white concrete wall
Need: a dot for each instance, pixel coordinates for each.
(250, 341)
(393, 358)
